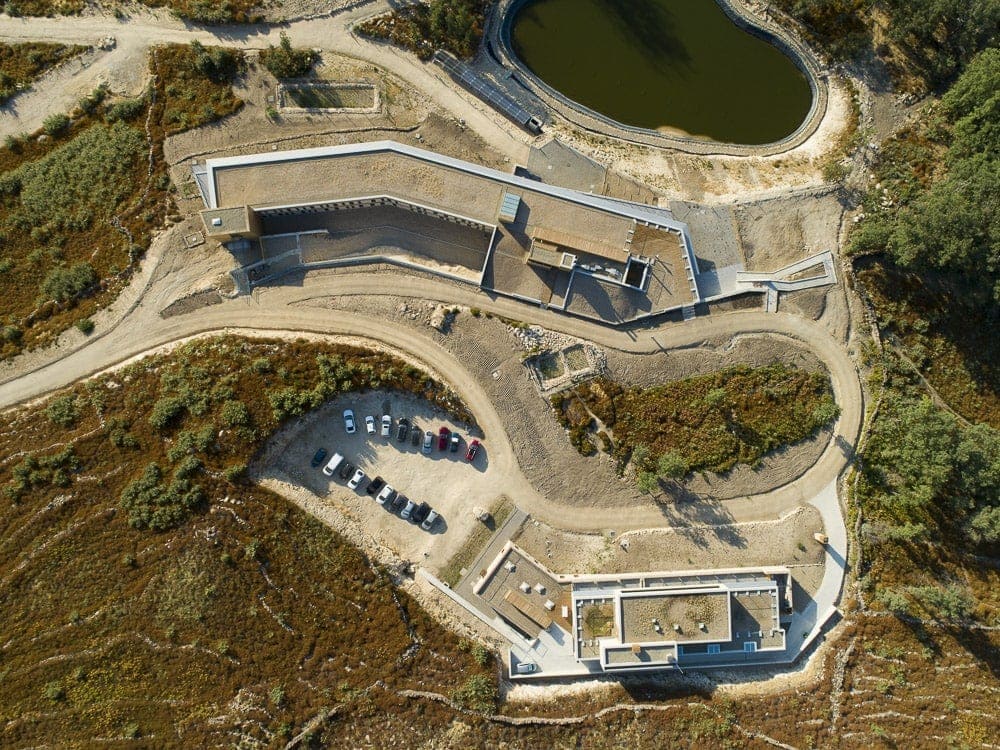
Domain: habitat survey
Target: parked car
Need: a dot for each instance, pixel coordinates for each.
(526, 667)
(370, 424)
(420, 512)
(358, 478)
(375, 485)
(318, 457)
(428, 442)
(386, 425)
(415, 436)
(399, 501)
(443, 435)
(470, 455)
(402, 429)
(386, 494)
(349, 422)
(408, 510)
(333, 464)
(346, 469)
(429, 522)
(455, 441)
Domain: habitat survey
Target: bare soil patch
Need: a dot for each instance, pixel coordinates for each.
(787, 541)
(775, 233)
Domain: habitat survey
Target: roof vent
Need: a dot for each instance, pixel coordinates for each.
(217, 221)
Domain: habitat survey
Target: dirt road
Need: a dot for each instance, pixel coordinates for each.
(279, 309)
(135, 34)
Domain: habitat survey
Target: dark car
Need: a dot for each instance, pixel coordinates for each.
(443, 435)
(402, 429)
(375, 485)
(415, 436)
(420, 512)
(399, 501)
(346, 469)
(470, 455)
(318, 458)
(455, 441)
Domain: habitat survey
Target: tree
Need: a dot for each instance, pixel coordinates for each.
(285, 61)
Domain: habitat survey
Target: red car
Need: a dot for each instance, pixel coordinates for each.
(443, 435)
(470, 455)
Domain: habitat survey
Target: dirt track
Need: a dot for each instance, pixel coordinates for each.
(276, 309)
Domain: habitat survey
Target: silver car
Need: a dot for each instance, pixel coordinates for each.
(428, 443)
(349, 424)
(408, 510)
(358, 478)
(431, 519)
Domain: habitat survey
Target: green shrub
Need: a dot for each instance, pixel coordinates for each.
(63, 284)
(126, 109)
(234, 473)
(166, 412)
(54, 691)
(478, 693)
(151, 504)
(55, 124)
(285, 61)
(85, 326)
(62, 410)
(277, 696)
(235, 414)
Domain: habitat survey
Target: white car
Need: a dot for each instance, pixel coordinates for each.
(386, 425)
(358, 477)
(349, 422)
(408, 510)
(370, 424)
(432, 517)
(386, 493)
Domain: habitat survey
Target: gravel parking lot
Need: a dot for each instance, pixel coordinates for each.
(444, 480)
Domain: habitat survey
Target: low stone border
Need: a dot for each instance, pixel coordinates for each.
(290, 108)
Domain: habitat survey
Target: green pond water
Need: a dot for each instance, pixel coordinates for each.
(672, 65)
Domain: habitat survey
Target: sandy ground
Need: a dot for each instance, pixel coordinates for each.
(722, 179)
(444, 480)
(696, 548)
(777, 232)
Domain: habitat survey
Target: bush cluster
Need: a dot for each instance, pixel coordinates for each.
(285, 61)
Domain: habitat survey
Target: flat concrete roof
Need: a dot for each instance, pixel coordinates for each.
(235, 220)
(225, 187)
(524, 609)
(687, 611)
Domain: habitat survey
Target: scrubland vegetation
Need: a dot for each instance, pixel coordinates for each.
(80, 201)
(452, 25)
(704, 423)
(145, 589)
(20, 64)
(924, 43)
(928, 257)
(199, 11)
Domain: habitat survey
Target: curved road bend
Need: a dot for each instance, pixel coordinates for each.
(279, 309)
(331, 33)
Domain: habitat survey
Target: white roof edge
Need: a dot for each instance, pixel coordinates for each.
(660, 216)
